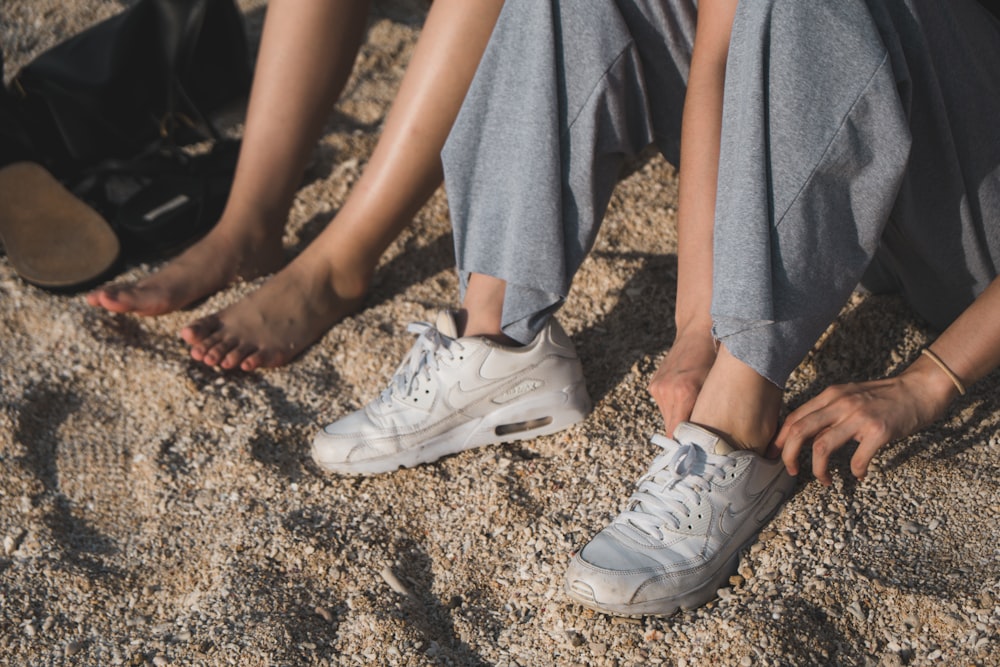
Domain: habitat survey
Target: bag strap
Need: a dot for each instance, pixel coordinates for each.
(181, 23)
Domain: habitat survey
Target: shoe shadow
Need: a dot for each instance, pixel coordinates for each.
(833, 644)
(39, 419)
(288, 608)
(432, 618)
(415, 606)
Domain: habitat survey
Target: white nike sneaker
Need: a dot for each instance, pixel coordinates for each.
(678, 540)
(451, 394)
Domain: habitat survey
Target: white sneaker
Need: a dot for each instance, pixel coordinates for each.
(451, 394)
(678, 540)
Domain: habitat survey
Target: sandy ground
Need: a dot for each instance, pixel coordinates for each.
(155, 511)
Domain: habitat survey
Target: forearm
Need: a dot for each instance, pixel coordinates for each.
(970, 347)
(699, 165)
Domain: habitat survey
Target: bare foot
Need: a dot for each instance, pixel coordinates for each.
(203, 269)
(285, 316)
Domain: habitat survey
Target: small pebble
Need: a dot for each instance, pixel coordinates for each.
(73, 647)
(160, 661)
(911, 527)
(394, 583)
(324, 614)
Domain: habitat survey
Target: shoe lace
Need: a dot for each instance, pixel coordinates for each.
(425, 355)
(672, 490)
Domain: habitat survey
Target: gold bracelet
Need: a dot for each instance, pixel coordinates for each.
(943, 366)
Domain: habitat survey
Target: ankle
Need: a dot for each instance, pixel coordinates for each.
(738, 404)
(250, 228)
(344, 276)
(748, 437)
(468, 324)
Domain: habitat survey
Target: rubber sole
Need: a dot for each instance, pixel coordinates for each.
(686, 601)
(51, 238)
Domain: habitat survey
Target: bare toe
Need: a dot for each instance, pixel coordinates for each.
(255, 361)
(113, 298)
(198, 331)
(237, 355)
(201, 270)
(217, 352)
(200, 349)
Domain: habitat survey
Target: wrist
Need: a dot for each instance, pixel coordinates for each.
(693, 326)
(933, 383)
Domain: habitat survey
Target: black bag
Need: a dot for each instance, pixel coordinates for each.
(106, 111)
(992, 6)
(152, 73)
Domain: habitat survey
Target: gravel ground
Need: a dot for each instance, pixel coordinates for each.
(153, 511)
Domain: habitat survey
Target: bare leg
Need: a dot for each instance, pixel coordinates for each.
(306, 55)
(482, 309)
(738, 403)
(330, 278)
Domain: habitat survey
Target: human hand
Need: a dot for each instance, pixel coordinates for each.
(678, 379)
(870, 413)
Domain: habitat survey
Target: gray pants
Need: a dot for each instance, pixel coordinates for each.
(858, 135)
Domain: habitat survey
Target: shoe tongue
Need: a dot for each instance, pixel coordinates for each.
(713, 443)
(445, 323)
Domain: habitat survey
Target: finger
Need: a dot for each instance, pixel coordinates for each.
(790, 457)
(825, 444)
(867, 448)
(813, 405)
(675, 405)
(794, 436)
(672, 417)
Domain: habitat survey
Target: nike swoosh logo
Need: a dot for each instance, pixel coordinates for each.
(461, 397)
(731, 519)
